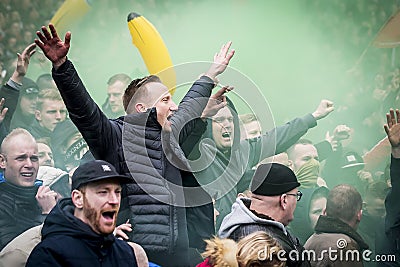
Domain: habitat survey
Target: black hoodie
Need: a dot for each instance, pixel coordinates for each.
(68, 241)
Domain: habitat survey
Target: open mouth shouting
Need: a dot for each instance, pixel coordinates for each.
(109, 217)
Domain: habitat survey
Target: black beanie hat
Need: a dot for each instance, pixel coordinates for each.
(273, 179)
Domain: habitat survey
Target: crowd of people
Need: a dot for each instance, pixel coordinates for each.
(143, 181)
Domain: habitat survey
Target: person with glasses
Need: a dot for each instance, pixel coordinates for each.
(149, 144)
(274, 196)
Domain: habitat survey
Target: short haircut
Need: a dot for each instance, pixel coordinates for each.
(47, 94)
(12, 135)
(247, 118)
(122, 77)
(135, 88)
(344, 202)
(303, 141)
(259, 249)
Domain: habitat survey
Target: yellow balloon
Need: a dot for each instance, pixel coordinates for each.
(70, 12)
(153, 50)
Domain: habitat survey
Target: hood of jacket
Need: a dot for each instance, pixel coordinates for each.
(236, 139)
(241, 215)
(301, 225)
(61, 221)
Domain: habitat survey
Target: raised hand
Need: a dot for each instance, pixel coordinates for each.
(392, 128)
(52, 46)
(221, 61)
(216, 102)
(324, 108)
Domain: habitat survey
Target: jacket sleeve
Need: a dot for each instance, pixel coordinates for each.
(11, 94)
(186, 121)
(392, 223)
(100, 133)
(279, 139)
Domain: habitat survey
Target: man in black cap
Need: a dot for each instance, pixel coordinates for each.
(270, 209)
(79, 230)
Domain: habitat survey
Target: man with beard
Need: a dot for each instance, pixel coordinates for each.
(79, 230)
(171, 213)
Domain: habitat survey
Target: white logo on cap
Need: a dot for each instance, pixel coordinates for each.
(106, 168)
(351, 158)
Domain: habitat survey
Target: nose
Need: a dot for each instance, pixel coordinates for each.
(58, 115)
(173, 107)
(113, 198)
(111, 99)
(28, 163)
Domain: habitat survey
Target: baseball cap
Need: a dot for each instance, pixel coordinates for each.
(96, 170)
(29, 87)
(352, 159)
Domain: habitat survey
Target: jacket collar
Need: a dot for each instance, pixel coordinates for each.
(327, 224)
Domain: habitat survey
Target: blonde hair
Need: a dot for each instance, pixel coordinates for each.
(49, 94)
(258, 250)
(221, 252)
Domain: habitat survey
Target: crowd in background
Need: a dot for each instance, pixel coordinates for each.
(373, 82)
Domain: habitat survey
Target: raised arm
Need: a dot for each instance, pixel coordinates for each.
(10, 91)
(197, 102)
(288, 134)
(392, 221)
(97, 130)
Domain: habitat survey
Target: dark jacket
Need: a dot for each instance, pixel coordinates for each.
(14, 116)
(68, 241)
(222, 173)
(19, 211)
(39, 131)
(301, 224)
(136, 145)
(10, 96)
(242, 222)
(389, 242)
(333, 234)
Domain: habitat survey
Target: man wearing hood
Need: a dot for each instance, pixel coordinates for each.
(222, 159)
(270, 209)
(79, 230)
(306, 214)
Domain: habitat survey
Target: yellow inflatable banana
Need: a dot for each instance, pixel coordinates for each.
(69, 12)
(152, 48)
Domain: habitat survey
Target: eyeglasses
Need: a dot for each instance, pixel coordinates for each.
(298, 195)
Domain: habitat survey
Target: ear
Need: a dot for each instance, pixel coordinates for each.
(77, 198)
(290, 164)
(283, 201)
(2, 161)
(140, 107)
(359, 215)
(38, 116)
